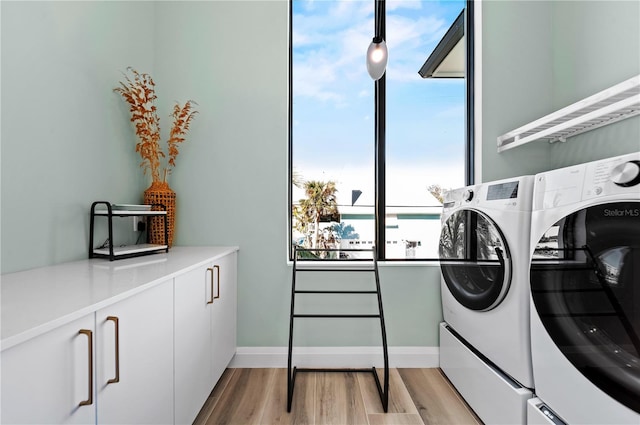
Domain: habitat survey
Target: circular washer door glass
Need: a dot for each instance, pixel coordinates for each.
(585, 285)
(474, 259)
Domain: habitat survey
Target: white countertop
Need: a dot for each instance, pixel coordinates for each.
(38, 300)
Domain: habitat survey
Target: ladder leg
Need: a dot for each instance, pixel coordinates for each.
(385, 393)
(290, 373)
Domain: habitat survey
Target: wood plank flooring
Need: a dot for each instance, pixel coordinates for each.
(259, 396)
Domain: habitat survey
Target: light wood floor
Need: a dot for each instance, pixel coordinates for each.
(259, 396)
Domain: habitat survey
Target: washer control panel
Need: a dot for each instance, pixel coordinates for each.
(513, 194)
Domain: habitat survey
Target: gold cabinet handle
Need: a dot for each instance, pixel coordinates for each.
(116, 324)
(89, 335)
(218, 273)
(209, 269)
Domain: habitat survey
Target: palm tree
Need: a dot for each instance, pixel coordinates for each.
(296, 179)
(437, 191)
(320, 203)
(345, 231)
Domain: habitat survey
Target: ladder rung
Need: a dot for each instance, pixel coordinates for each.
(338, 316)
(339, 370)
(346, 269)
(334, 292)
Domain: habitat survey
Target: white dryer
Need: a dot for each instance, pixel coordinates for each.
(484, 259)
(585, 291)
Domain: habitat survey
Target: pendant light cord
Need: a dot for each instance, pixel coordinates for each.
(378, 18)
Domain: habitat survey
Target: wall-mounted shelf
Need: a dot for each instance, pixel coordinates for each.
(606, 107)
(113, 252)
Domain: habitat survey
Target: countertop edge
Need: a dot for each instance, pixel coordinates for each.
(48, 325)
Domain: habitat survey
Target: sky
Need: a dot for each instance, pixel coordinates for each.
(333, 107)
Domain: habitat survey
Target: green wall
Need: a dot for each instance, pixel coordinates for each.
(66, 141)
(65, 138)
(540, 56)
(599, 41)
(516, 81)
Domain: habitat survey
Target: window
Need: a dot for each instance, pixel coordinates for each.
(368, 159)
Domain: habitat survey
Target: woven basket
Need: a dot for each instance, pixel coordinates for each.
(159, 193)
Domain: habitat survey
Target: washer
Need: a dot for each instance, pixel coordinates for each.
(539, 413)
(484, 259)
(585, 291)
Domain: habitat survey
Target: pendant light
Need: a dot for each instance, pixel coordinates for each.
(377, 54)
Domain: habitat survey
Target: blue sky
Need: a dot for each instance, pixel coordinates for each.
(333, 95)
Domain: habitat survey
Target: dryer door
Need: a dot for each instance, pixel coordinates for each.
(474, 259)
(585, 284)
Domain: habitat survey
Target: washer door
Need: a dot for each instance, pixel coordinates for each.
(585, 284)
(474, 259)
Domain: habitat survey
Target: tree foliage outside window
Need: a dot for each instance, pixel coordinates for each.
(319, 206)
(437, 191)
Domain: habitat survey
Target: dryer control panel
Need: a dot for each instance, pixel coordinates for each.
(612, 176)
(570, 185)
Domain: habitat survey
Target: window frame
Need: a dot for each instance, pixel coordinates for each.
(380, 131)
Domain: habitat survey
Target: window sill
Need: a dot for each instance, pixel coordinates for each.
(346, 265)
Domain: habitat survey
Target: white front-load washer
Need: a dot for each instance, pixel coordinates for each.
(484, 259)
(585, 291)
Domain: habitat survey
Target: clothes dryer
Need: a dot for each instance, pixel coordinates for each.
(484, 259)
(585, 291)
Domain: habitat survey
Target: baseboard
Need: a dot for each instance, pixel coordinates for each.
(336, 357)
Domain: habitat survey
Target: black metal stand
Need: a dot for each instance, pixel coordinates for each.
(110, 213)
(383, 389)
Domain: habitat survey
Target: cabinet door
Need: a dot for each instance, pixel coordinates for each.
(224, 313)
(193, 292)
(134, 350)
(45, 379)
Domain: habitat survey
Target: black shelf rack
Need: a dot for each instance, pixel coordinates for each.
(345, 266)
(112, 252)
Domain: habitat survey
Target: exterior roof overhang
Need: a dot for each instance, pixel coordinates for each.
(448, 58)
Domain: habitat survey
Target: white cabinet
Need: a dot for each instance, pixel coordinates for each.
(46, 379)
(205, 332)
(134, 349)
(60, 377)
(193, 373)
(136, 341)
(223, 333)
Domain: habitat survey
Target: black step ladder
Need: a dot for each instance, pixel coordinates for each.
(347, 266)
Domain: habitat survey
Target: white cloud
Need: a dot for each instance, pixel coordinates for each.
(403, 74)
(405, 37)
(334, 51)
(402, 4)
(314, 80)
(332, 43)
(456, 111)
(352, 10)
